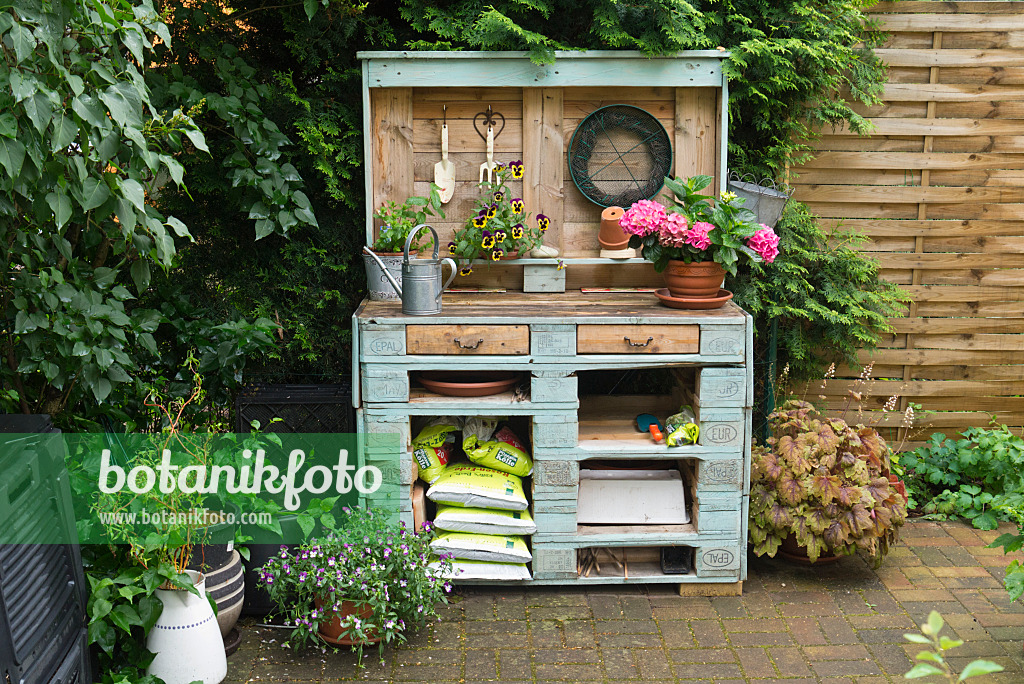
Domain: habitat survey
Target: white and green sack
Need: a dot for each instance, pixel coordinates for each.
(483, 520)
(484, 547)
(482, 570)
(472, 486)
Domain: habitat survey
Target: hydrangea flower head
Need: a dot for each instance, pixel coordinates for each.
(643, 218)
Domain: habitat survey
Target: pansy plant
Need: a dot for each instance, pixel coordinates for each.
(366, 560)
(500, 225)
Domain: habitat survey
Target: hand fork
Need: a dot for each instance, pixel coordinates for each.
(489, 165)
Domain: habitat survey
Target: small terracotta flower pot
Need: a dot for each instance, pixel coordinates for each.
(611, 235)
(697, 280)
(331, 631)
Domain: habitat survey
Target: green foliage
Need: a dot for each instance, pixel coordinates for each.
(826, 484)
(399, 220)
(1014, 580)
(826, 296)
(969, 477)
(122, 609)
(790, 61)
(934, 658)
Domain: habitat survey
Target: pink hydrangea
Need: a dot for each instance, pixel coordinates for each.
(698, 235)
(766, 243)
(643, 218)
(672, 233)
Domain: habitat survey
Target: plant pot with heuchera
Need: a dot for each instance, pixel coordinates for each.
(366, 581)
(695, 242)
(397, 221)
(824, 484)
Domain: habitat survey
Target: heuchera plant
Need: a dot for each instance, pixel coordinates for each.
(824, 482)
(692, 230)
(366, 560)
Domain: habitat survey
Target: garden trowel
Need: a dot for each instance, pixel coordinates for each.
(647, 422)
(444, 170)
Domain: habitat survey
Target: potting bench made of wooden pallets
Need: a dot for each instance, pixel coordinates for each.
(542, 324)
(553, 340)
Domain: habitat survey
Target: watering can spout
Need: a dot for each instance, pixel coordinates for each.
(384, 270)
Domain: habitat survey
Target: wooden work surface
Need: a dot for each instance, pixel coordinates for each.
(568, 307)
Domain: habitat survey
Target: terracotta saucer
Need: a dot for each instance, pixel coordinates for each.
(468, 383)
(693, 302)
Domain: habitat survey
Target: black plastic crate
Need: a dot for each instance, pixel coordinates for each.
(316, 409)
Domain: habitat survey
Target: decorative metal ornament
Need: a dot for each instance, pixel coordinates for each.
(766, 198)
(619, 154)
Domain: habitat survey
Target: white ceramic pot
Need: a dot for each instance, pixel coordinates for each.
(186, 638)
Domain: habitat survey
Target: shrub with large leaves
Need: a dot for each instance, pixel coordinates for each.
(824, 482)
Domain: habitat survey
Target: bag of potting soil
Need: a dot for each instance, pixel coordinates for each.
(433, 448)
(485, 547)
(682, 428)
(472, 486)
(483, 570)
(483, 521)
(504, 452)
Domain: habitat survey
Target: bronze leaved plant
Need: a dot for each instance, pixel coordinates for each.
(825, 483)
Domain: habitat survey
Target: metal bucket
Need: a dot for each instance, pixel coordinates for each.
(377, 284)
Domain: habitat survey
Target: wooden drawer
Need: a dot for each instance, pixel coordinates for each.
(483, 340)
(637, 339)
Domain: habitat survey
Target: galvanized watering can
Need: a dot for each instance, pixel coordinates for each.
(421, 286)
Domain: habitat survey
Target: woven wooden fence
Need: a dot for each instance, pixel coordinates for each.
(938, 189)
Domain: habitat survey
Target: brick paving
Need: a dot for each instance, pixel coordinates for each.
(838, 624)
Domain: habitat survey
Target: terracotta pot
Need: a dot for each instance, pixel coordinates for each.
(331, 631)
(697, 280)
(611, 235)
(791, 550)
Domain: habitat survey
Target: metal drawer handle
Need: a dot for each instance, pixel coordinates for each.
(469, 346)
(638, 344)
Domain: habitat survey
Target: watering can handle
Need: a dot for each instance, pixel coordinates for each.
(455, 269)
(413, 233)
(384, 270)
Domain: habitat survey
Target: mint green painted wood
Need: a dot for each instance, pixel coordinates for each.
(384, 385)
(725, 475)
(719, 560)
(554, 522)
(553, 563)
(722, 340)
(514, 69)
(721, 427)
(722, 387)
(381, 340)
(543, 278)
(556, 474)
(553, 389)
(719, 512)
(555, 429)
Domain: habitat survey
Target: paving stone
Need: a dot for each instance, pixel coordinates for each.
(761, 639)
(566, 655)
(514, 664)
(636, 608)
(684, 608)
(429, 657)
(755, 662)
(545, 634)
(626, 626)
(558, 612)
(901, 621)
(428, 673)
(510, 607)
(653, 664)
(920, 609)
(708, 633)
(579, 634)
(713, 670)
(629, 640)
(729, 606)
(883, 636)
(838, 668)
(481, 663)
(806, 631)
(619, 664)
(498, 628)
(605, 607)
(790, 662)
(891, 658)
(554, 597)
(677, 634)
(759, 605)
(571, 672)
(836, 652)
(702, 655)
(837, 630)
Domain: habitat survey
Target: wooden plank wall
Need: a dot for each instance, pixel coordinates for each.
(539, 123)
(938, 189)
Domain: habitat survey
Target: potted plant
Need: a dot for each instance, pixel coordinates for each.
(822, 486)
(397, 221)
(694, 242)
(364, 582)
(500, 229)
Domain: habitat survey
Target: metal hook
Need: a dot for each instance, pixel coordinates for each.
(444, 109)
(488, 120)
